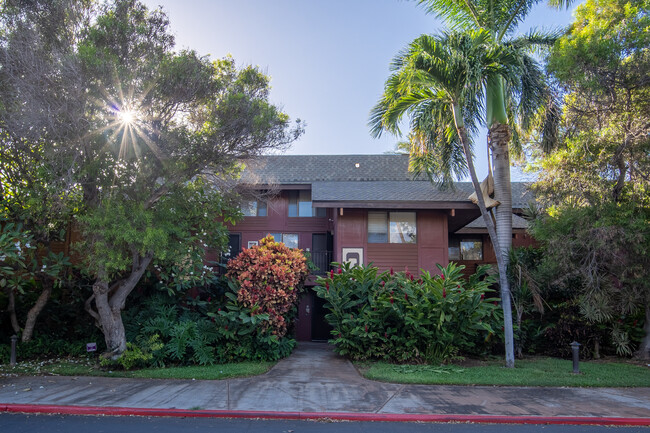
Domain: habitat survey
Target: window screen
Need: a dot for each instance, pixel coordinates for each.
(377, 227)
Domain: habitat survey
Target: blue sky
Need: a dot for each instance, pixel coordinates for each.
(328, 59)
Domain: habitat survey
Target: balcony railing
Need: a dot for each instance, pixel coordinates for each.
(322, 260)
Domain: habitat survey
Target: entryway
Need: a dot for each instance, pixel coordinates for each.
(311, 324)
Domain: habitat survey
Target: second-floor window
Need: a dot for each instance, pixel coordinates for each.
(289, 239)
(300, 205)
(391, 227)
(254, 208)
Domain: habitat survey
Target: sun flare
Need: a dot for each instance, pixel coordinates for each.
(127, 126)
(127, 117)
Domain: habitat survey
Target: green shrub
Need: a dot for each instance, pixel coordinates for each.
(5, 353)
(395, 317)
(240, 318)
(135, 356)
(195, 331)
(41, 347)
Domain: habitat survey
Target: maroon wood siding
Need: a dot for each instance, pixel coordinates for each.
(433, 240)
(351, 231)
(278, 221)
(396, 256)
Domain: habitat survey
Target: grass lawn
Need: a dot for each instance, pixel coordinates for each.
(84, 367)
(527, 372)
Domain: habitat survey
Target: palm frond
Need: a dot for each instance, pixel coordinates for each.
(551, 123)
(535, 41)
(458, 14)
(438, 83)
(560, 4)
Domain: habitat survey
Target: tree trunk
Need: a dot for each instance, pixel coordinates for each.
(499, 137)
(110, 322)
(501, 265)
(110, 301)
(644, 348)
(11, 309)
(33, 313)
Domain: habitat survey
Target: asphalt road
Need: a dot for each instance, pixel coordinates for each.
(18, 423)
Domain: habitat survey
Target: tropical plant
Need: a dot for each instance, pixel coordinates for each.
(444, 83)
(187, 330)
(270, 277)
(524, 287)
(24, 267)
(396, 317)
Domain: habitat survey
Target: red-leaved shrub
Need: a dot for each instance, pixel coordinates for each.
(270, 277)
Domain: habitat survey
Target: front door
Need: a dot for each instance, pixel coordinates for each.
(320, 329)
(304, 319)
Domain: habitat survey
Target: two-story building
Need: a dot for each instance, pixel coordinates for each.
(363, 209)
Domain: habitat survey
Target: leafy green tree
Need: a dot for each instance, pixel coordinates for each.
(478, 73)
(603, 64)
(142, 137)
(596, 187)
(32, 189)
(26, 265)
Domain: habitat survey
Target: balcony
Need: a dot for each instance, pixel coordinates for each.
(322, 260)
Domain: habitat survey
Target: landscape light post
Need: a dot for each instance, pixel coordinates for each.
(12, 359)
(575, 349)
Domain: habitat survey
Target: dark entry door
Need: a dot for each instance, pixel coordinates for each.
(234, 247)
(322, 246)
(320, 329)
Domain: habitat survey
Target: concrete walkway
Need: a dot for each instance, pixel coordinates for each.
(315, 380)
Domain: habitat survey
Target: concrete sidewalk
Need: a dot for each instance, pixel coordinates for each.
(315, 380)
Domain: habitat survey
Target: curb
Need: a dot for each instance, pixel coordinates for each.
(315, 416)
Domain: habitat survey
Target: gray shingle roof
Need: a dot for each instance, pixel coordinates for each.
(336, 178)
(517, 223)
(395, 190)
(293, 169)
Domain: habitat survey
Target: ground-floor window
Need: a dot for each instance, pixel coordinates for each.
(465, 249)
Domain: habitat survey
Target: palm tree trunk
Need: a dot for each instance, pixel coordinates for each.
(501, 263)
(499, 137)
(498, 140)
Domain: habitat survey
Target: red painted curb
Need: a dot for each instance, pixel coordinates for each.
(343, 416)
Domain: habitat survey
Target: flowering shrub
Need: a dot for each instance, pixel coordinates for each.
(270, 276)
(404, 318)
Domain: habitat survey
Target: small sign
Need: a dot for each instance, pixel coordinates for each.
(91, 347)
(354, 256)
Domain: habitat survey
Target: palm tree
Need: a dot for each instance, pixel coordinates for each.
(443, 83)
